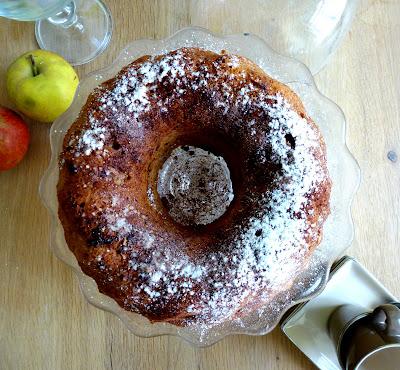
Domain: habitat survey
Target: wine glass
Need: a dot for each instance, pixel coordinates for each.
(78, 30)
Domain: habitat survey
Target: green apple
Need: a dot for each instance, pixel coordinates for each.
(41, 84)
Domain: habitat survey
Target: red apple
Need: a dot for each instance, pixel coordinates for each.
(14, 139)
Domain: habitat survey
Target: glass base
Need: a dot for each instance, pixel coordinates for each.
(195, 186)
(80, 39)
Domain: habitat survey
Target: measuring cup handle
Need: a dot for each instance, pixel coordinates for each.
(385, 319)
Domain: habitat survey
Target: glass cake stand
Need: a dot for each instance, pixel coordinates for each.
(344, 171)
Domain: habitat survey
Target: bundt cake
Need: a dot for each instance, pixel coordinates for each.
(193, 187)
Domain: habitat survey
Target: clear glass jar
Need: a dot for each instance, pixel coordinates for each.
(308, 30)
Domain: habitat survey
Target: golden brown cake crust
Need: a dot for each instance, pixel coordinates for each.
(118, 228)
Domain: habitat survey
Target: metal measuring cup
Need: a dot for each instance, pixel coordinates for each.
(367, 340)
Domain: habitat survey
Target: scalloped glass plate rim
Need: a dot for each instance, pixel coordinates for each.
(187, 37)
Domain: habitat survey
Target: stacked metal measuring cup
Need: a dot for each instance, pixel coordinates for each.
(367, 340)
(354, 324)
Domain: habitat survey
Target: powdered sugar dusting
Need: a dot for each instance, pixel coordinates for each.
(135, 89)
(93, 138)
(267, 251)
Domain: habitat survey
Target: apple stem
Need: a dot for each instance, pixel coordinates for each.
(33, 65)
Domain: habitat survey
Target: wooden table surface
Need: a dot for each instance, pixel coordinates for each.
(44, 321)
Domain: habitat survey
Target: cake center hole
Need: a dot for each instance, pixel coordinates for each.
(195, 186)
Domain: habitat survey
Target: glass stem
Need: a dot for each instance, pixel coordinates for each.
(67, 17)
